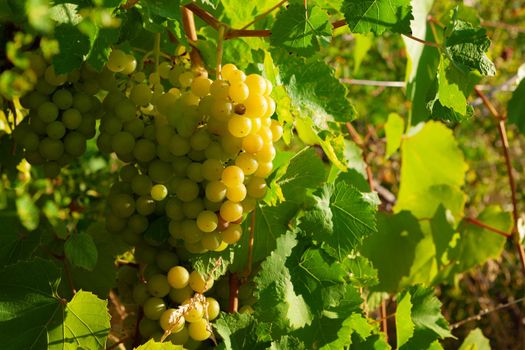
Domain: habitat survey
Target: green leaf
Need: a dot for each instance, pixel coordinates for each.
(15, 242)
(287, 343)
(81, 251)
(353, 324)
(475, 340)
(27, 212)
(239, 15)
(301, 31)
(73, 45)
(516, 107)
(432, 172)
(314, 91)
(277, 303)
(429, 323)
(101, 46)
(378, 16)
(28, 302)
(362, 272)
(65, 13)
(404, 324)
(84, 324)
(218, 262)
(398, 233)
(466, 45)
(163, 8)
(341, 218)
(153, 345)
(394, 127)
(157, 231)
(362, 45)
(442, 235)
(236, 330)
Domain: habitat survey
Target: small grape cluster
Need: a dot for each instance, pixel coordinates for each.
(63, 110)
(198, 151)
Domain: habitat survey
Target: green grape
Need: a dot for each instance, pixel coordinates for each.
(34, 158)
(178, 277)
(140, 294)
(237, 76)
(266, 154)
(207, 221)
(122, 205)
(164, 70)
(48, 112)
(31, 141)
(82, 102)
(201, 86)
(125, 110)
(130, 66)
(187, 190)
(231, 211)
(130, 237)
(256, 105)
(211, 241)
(219, 89)
(200, 140)
(193, 208)
(123, 142)
(51, 169)
(247, 163)
(111, 124)
(198, 283)
(104, 143)
(213, 308)
(75, 143)
(198, 330)
(256, 84)
(172, 320)
(175, 229)
(54, 79)
(51, 149)
(179, 295)
(164, 133)
(138, 223)
(159, 192)
(117, 61)
(214, 151)
(151, 270)
(277, 130)
(227, 69)
(90, 87)
(115, 223)
(179, 338)
(154, 308)
(141, 185)
(232, 176)
(252, 143)
(212, 206)
(71, 118)
(158, 286)
(147, 327)
(33, 100)
(166, 103)
(246, 309)
(37, 125)
(128, 172)
(236, 193)
(257, 187)
(221, 109)
(264, 169)
(231, 145)
(215, 191)
(180, 165)
(179, 146)
(63, 99)
(144, 150)
(55, 130)
(88, 126)
(191, 232)
(248, 204)
(194, 313)
(185, 79)
(232, 234)
(239, 126)
(166, 260)
(239, 92)
(212, 169)
(159, 171)
(135, 127)
(174, 209)
(197, 156)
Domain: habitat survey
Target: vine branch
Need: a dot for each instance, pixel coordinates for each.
(485, 312)
(476, 222)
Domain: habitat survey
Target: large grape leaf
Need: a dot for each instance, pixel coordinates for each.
(425, 313)
(16, 243)
(432, 172)
(81, 251)
(475, 340)
(73, 44)
(341, 218)
(404, 324)
(153, 345)
(237, 331)
(356, 323)
(300, 30)
(378, 16)
(516, 107)
(394, 128)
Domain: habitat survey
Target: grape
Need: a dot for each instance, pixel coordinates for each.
(239, 92)
(266, 154)
(141, 185)
(159, 171)
(63, 99)
(179, 146)
(125, 110)
(55, 130)
(178, 277)
(200, 140)
(237, 76)
(271, 107)
(207, 221)
(252, 143)
(154, 308)
(221, 109)
(200, 86)
(75, 143)
(166, 259)
(194, 172)
(219, 89)
(140, 293)
(198, 283)
(179, 295)
(239, 126)
(164, 70)
(159, 192)
(144, 150)
(247, 163)
(211, 241)
(117, 61)
(215, 191)
(174, 209)
(277, 130)
(191, 232)
(145, 205)
(122, 205)
(264, 169)
(257, 187)
(130, 66)
(185, 79)
(158, 286)
(213, 308)
(147, 327)
(256, 83)
(54, 79)
(193, 208)
(82, 102)
(135, 127)
(111, 124)
(194, 313)
(232, 233)
(171, 320)
(198, 330)
(236, 193)
(187, 190)
(179, 338)
(51, 149)
(227, 69)
(232, 176)
(123, 142)
(256, 105)
(48, 112)
(31, 141)
(138, 223)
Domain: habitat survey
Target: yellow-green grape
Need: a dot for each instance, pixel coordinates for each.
(140, 94)
(123, 143)
(201, 86)
(221, 109)
(200, 140)
(185, 79)
(231, 145)
(194, 172)
(55, 130)
(266, 134)
(239, 126)
(166, 260)
(63, 99)
(164, 70)
(198, 330)
(195, 312)
(179, 146)
(145, 205)
(171, 320)
(271, 107)
(256, 125)
(277, 130)
(175, 229)
(190, 99)
(236, 193)
(117, 61)
(179, 338)
(246, 309)
(237, 76)
(54, 79)
(213, 308)
(257, 187)
(212, 169)
(219, 89)
(232, 233)
(140, 294)
(154, 308)
(232, 176)
(159, 171)
(266, 154)
(75, 143)
(231, 211)
(264, 169)
(187, 190)
(252, 143)
(178, 277)
(227, 69)
(193, 208)
(207, 221)
(173, 209)
(211, 241)
(190, 230)
(239, 92)
(248, 204)
(215, 191)
(181, 294)
(122, 205)
(256, 105)
(198, 283)
(158, 286)
(165, 103)
(138, 223)
(47, 112)
(130, 66)
(159, 192)
(247, 163)
(269, 88)
(144, 150)
(256, 83)
(154, 79)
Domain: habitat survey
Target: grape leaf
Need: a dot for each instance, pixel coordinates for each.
(153, 345)
(516, 107)
(442, 235)
(287, 343)
(277, 303)
(73, 45)
(475, 340)
(236, 330)
(363, 43)
(341, 218)
(313, 89)
(394, 128)
(353, 324)
(429, 323)
(15, 242)
(28, 212)
(404, 324)
(432, 173)
(81, 251)
(238, 16)
(301, 31)
(84, 323)
(378, 16)
(163, 8)
(400, 233)
(101, 44)
(216, 262)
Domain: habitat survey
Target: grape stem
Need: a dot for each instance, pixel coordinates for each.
(157, 55)
(188, 21)
(234, 293)
(478, 223)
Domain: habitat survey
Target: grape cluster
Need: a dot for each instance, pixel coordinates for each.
(62, 115)
(198, 152)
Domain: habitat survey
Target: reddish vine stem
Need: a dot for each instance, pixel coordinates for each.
(234, 293)
(188, 21)
(204, 15)
(476, 222)
(424, 42)
(67, 271)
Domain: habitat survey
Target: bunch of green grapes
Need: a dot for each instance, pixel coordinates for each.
(198, 151)
(63, 110)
